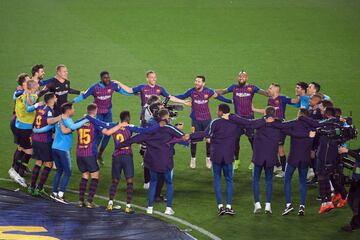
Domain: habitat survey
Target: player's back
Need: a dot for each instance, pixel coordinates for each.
(41, 117)
(120, 136)
(86, 145)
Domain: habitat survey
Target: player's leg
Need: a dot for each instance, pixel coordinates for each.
(303, 189)
(82, 188)
(93, 168)
(34, 176)
(228, 174)
(169, 192)
(204, 126)
(289, 172)
(193, 146)
(43, 177)
(249, 132)
(98, 139)
(339, 190)
(282, 156)
(216, 169)
(269, 187)
(325, 192)
(105, 139)
(66, 162)
(129, 175)
(256, 187)
(25, 144)
(59, 171)
(146, 178)
(237, 148)
(152, 189)
(115, 173)
(159, 186)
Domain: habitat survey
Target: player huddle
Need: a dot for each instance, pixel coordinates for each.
(43, 131)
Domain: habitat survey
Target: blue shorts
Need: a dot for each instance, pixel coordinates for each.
(200, 126)
(42, 151)
(123, 163)
(87, 164)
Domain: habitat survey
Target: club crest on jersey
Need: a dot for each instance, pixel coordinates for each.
(158, 91)
(206, 96)
(277, 101)
(66, 85)
(109, 91)
(249, 89)
(41, 111)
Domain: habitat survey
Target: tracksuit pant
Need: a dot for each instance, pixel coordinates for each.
(289, 171)
(228, 172)
(154, 177)
(268, 181)
(62, 161)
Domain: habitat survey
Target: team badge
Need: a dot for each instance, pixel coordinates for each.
(109, 91)
(206, 96)
(277, 101)
(249, 89)
(66, 85)
(158, 91)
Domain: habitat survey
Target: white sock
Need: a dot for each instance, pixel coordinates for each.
(288, 205)
(168, 208)
(150, 208)
(207, 158)
(220, 205)
(55, 193)
(302, 206)
(228, 206)
(111, 202)
(61, 194)
(267, 204)
(193, 159)
(128, 205)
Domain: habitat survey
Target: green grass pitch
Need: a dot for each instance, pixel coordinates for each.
(280, 41)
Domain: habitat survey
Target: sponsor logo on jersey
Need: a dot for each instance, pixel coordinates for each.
(201, 101)
(243, 94)
(103, 98)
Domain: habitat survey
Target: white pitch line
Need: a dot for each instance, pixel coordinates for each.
(175, 219)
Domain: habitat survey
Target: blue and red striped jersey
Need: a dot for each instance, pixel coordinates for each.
(41, 117)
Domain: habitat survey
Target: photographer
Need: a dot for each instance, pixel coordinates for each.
(327, 157)
(354, 191)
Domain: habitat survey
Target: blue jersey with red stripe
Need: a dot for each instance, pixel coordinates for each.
(146, 91)
(41, 117)
(279, 103)
(86, 145)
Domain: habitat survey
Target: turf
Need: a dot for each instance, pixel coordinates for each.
(275, 41)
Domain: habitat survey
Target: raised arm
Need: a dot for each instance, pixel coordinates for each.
(64, 129)
(247, 123)
(43, 129)
(185, 95)
(53, 120)
(125, 87)
(225, 90)
(220, 97)
(86, 94)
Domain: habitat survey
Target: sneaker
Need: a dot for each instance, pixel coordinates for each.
(81, 204)
(319, 198)
(236, 164)
(193, 163)
(257, 208)
(129, 210)
(268, 208)
(61, 200)
(310, 174)
(16, 177)
(288, 210)
(221, 211)
(109, 207)
(53, 196)
(251, 166)
(208, 163)
(90, 205)
(342, 202)
(41, 193)
(281, 174)
(277, 169)
(146, 186)
(230, 211)
(169, 211)
(326, 207)
(301, 211)
(149, 210)
(336, 197)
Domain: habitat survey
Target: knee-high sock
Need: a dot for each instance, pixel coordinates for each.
(193, 150)
(129, 192)
(82, 189)
(92, 189)
(44, 175)
(283, 162)
(18, 155)
(24, 162)
(324, 189)
(113, 188)
(35, 175)
(207, 149)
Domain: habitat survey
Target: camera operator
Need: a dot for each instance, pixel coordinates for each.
(326, 157)
(354, 191)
